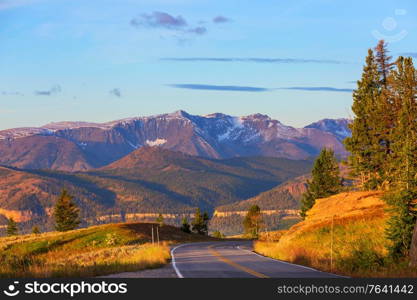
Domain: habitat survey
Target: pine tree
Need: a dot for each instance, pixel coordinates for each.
(12, 228)
(401, 224)
(383, 145)
(36, 230)
(325, 181)
(185, 226)
(383, 60)
(253, 221)
(197, 221)
(206, 220)
(403, 160)
(384, 115)
(160, 220)
(363, 145)
(307, 200)
(66, 213)
(200, 222)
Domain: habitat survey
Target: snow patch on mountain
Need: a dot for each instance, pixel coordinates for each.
(16, 133)
(343, 132)
(337, 127)
(157, 142)
(235, 123)
(132, 145)
(54, 126)
(82, 145)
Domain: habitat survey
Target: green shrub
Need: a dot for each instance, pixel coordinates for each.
(361, 259)
(218, 234)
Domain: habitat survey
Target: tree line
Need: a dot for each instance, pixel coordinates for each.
(198, 225)
(382, 146)
(67, 217)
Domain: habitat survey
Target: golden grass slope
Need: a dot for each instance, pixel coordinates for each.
(93, 251)
(356, 242)
(342, 207)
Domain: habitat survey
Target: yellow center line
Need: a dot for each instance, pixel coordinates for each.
(235, 265)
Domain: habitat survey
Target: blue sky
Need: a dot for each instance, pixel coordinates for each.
(104, 60)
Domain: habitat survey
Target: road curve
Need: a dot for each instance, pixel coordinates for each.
(233, 260)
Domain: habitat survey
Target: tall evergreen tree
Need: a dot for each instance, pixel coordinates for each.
(200, 222)
(66, 213)
(383, 145)
(185, 226)
(253, 221)
(12, 228)
(325, 181)
(362, 144)
(384, 115)
(375, 113)
(403, 159)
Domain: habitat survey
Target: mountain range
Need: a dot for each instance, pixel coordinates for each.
(169, 163)
(82, 146)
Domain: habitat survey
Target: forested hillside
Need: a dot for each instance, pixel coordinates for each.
(150, 180)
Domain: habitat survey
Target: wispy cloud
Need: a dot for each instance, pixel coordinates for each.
(116, 92)
(158, 19)
(317, 89)
(234, 88)
(228, 88)
(412, 54)
(52, 91)
(200, 30)
(254, 60)
(221, 19)
(7, 93)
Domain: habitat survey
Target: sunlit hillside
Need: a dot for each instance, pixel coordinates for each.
(92, 251)
(354, 245)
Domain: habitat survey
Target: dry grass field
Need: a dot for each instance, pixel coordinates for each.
(93, 251)
(354, 245)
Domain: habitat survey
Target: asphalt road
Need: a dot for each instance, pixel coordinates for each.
(233, 260)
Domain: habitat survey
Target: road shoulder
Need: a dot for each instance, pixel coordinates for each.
(166, 271)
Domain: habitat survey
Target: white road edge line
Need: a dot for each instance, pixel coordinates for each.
(287, 263)
(174, 265)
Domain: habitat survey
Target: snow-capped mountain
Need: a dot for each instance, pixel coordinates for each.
(16, 133)
(76, 146)
(337, 127)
